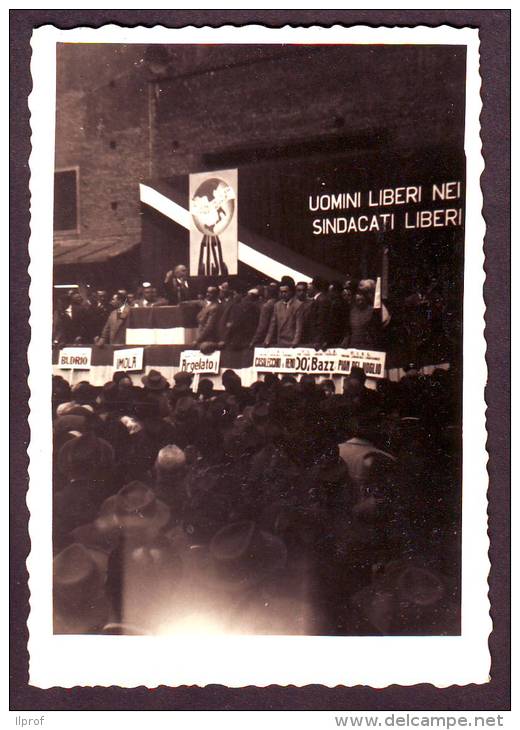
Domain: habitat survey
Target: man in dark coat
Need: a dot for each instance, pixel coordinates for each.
(339, 312)
(318, 317)
(242, 321)
(177, 288)
(266, 312)
(71, 320)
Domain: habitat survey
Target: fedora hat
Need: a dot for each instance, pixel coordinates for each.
(242, 555)
(408, 597)
(80, 602)
(85, 456)
(183, 377)
(155, 381)
(134, 509)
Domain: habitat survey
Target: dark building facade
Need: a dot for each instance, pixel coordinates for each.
(338, 115)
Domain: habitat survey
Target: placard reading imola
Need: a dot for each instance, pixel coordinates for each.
(193, 361)
(129, 359)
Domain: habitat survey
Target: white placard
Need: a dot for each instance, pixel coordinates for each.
(128, 360)
(75, 358)
(193, 361)
(322, 362)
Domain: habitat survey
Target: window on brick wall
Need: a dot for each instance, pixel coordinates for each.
(66, 204)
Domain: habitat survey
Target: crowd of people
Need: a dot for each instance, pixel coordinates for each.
(318, 314)
(281, 508)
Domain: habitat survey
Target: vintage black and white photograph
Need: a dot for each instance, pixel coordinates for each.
(259, 319)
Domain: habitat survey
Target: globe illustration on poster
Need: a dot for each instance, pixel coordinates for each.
(213, 206)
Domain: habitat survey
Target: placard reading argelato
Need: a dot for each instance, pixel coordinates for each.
(387, 209)
(336, 361)
(193, 361)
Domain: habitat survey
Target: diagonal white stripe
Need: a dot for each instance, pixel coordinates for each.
(247, 254)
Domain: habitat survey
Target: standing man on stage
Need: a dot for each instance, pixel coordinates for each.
(176, 286)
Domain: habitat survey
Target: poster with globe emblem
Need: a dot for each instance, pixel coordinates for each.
(214, 229)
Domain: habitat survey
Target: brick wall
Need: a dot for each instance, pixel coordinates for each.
(127, 113)
(102, 128)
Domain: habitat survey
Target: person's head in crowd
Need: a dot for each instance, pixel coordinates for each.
(149, 292)
(101, 297)
(365, 293)
(123, 293)
(74, 296)
(108, 398)
(327, 387)
(84, 393)
(131, 299)
(355, 382)
(205, 389)
(180, 272)
(186, 410)
(272, 290)
(318, 286)
(336, 289)
(259, 391)
(271, 380)
(182, 381)
(87, 456)
(288, 281)
(155, 382)
(253, 294)
(286, 291)
(60, 391)
(79, 599)
(170, 462)
(348, 291)
(117, 301)
(301, 291)
(225, 291)
(122, 379)
(231, 381)
(288, 381)
(411, 370)
(212, 294)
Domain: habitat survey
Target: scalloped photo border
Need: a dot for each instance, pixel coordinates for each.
(238, 661)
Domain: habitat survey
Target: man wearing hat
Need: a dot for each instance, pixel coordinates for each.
(181, 388)
(80, 602)
(156, 387)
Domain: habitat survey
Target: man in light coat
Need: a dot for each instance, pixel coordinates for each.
(286, 326)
